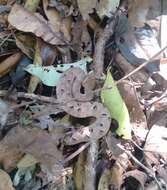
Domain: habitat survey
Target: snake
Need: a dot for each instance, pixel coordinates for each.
(80, 104)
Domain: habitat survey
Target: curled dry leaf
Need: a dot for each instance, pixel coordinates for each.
(8, 64)
(5, 181)
(27, 21)
(39, 143)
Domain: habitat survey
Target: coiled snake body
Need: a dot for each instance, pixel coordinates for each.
(80, 105)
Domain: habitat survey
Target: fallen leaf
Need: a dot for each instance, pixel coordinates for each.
(40, 144)
(26, 167)
(5, 181)
(129, 95)
(86, 7)
(79, 171)
(26, 43)
(48, 53)
(27, 161)
(60, 24)
(141, 177)
(32, 5)
(50, 75)
(142, 11)
(81, 40)
(27, 21)
(107, 7)
(112, 99)
(113, 177)
(157, 140)
(8, 64)
(34, 81)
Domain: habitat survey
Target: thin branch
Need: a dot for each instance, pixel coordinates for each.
(73, 155)
(141, 66)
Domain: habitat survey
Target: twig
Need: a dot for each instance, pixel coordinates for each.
(141, 66)
(164, 95)
(73, 155)
(32, 96)
(5, 39)
(98, 59)
(133, 84)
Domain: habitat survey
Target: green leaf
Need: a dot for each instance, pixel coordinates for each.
(50, 75)
(112, 99)
(107, 7)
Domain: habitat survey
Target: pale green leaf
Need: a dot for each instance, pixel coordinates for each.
(27, 161)
(107, 7)
(26, 168)
(50, 75)
(112, 99)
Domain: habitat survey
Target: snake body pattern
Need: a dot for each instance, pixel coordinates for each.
(81, 105)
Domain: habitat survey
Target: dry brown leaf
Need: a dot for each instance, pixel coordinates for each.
(79, 171)
(137, 116)
(39, 143)
(26, 21)
(81, 39)
(26, 43)
(5, 181)
(114, 177)
(59, 24)
(86, 7)
(34, 81)
(157, 140)
(9, 63)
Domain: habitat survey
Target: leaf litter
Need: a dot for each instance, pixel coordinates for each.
(83, 95)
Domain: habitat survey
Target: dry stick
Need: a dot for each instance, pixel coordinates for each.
(73, 155)
(134, 71)
(98, 58)
(141, 66)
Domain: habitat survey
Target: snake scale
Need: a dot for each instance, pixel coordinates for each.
(79, 104)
